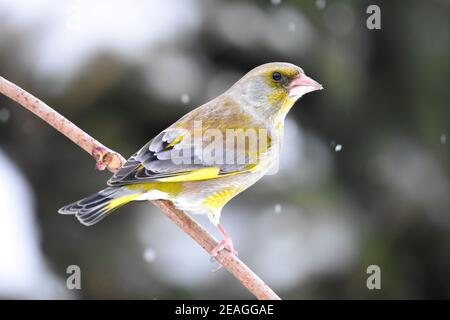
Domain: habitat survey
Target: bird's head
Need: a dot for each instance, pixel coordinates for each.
(271, 89)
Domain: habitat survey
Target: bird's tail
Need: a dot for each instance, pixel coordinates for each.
(94, 208)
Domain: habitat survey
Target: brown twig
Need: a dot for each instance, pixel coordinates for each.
(112, 160)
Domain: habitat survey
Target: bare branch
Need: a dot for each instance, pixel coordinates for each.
(104, 157)
(112, 160)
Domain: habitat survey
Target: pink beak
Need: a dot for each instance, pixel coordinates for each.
(304, 84)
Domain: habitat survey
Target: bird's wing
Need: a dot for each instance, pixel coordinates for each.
(174, 156)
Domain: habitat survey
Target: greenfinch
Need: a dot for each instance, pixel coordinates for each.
(211, 154)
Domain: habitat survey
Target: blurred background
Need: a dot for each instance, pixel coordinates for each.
(364, 176)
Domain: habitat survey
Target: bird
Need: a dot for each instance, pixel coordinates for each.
(211, 154)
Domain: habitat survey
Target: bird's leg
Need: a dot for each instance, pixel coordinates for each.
(225, 243)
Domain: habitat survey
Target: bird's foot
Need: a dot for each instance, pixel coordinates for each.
(225, 243)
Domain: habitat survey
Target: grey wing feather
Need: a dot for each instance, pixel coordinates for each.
(156, 160)
(162, 158)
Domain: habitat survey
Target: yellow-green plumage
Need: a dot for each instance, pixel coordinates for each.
(256, 102)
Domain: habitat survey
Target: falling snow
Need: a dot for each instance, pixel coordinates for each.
(277, 208)
(4, 115)
(320, 4)
(185, 98)
(292, 26)
(443, 138)
(149, 255)
(338, 148)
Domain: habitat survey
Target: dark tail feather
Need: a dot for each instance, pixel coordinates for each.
(94, 208)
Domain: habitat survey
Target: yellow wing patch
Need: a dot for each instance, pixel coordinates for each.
(172, 188)
(117, 202)
(205, 174)
(195, 175)
(175, 141)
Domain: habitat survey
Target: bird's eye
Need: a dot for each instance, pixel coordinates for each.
(276, 76)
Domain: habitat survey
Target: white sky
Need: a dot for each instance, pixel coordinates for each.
(65, 33)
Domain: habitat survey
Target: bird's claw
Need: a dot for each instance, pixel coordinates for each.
(225, 243)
